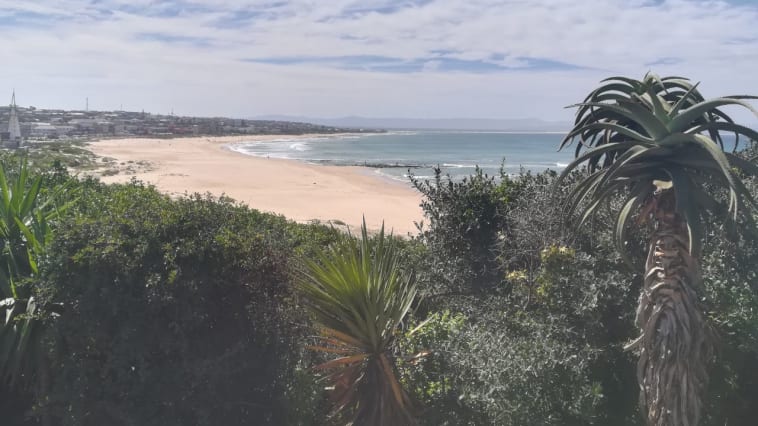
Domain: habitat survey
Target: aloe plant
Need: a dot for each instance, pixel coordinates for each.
(358, 296)
(659, 143)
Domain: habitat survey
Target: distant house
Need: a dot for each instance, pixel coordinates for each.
(92, 126)
(49, 131)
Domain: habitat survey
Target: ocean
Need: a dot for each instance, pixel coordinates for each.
(396, 154)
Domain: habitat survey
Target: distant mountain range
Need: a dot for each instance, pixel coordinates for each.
(485, 124)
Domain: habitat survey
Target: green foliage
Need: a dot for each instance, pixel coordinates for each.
(730, 289)
(27, 207)
(358, 295)
(559, 356)
(24, 229)
(429, 376)
(463, 224)
(561, 314)
(423, 338)
(176, 312)
(536, 378)
(503, 372)
(555, 261)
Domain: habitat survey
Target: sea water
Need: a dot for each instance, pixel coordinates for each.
(401, 153)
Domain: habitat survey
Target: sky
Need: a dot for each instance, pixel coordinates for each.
(372, 58)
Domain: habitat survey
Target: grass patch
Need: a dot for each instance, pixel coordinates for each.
(71, 154)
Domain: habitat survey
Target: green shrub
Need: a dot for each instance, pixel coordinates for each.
(562, 305)
(176, 312)
(730, 290)
(429, 375)
(463, 222)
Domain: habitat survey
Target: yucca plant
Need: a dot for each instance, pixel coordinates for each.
(24, 232)
(659, 143)
(358, 295)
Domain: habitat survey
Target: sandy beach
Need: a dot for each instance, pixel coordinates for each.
(299, 191)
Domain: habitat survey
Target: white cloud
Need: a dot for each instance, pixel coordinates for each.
(187, 55)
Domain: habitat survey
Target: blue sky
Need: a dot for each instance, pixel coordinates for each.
(376, 58)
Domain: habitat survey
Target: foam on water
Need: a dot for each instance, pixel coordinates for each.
(392, 154)
(300, 146)
(458, 166)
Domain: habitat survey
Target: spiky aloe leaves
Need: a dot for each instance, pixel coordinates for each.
(631, 133)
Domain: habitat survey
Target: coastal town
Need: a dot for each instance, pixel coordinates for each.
(20, 125)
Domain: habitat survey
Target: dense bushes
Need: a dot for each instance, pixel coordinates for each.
(730, 271)
(543, 342)
(462, 225)
(181, 312)
(176, 312)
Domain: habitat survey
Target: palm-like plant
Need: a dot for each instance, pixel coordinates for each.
(658, 142)
(24, 232)
(358, 295)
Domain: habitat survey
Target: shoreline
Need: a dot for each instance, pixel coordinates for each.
(300, 191)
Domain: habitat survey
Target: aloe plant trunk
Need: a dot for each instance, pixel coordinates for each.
(675, 344)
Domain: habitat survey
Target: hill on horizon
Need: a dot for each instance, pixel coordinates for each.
(481, 124)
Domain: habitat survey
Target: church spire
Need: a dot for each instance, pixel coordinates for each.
(14, 129)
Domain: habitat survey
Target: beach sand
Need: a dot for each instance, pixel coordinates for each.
(299, 191)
